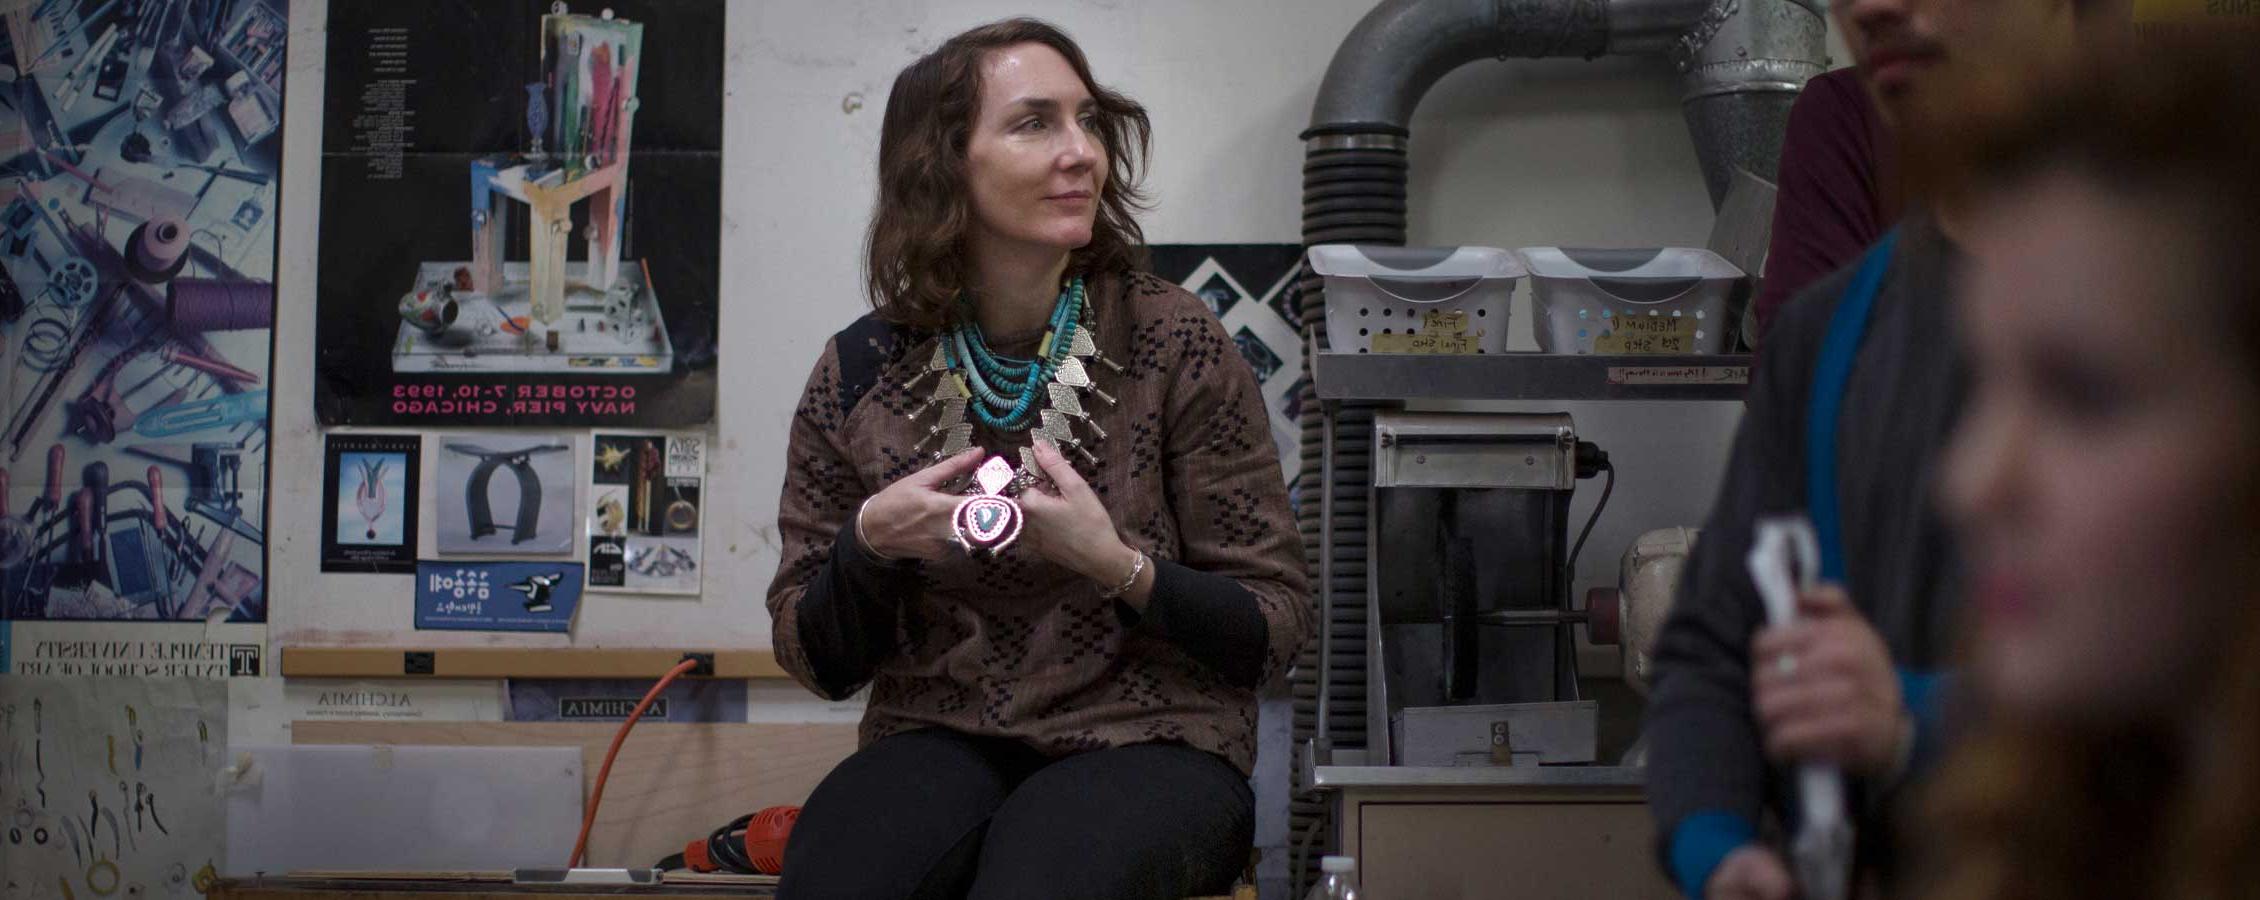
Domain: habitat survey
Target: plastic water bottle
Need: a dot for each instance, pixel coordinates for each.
(1341, 880)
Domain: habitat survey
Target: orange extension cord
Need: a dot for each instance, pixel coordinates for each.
(596, 797)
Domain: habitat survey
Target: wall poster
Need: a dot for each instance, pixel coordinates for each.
(546, 255)
(110, 786)
(138, 204)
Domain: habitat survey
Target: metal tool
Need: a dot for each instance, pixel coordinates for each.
(218, 412)
(29, 415)
(1784, 560)
(15, 530)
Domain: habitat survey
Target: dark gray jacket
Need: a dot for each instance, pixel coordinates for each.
(1706, 757)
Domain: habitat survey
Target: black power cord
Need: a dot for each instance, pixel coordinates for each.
(1591, 461)
(725, 848)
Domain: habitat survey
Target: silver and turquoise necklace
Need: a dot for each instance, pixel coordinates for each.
(1040, 396)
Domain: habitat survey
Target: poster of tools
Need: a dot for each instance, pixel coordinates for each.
(644, 512)
(110, 786)
(505, 494)
(142, 146)
(369, 500)
(545, 255)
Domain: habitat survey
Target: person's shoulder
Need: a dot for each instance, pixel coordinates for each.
(864, 350)
(1833, 103)
(1794, 339)
(1836, 88)
(1139, 300)
(1150, 294)
(868, 332)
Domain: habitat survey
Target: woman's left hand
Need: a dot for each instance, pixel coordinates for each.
(1068, 526)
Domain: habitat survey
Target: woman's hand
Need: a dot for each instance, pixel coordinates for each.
(910, 519)
(1751, 872)
(1824, 689)
(1069, 527)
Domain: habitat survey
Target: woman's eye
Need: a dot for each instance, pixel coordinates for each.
(1090, 122)
(1032, 124)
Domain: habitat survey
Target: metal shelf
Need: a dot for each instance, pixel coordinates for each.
(1528, 376)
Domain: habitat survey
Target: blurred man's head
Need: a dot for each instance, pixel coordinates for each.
(1931, 62)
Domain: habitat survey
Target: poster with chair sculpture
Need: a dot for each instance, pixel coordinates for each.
(521, 220)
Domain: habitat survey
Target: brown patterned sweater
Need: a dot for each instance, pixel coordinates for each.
(1013, 645)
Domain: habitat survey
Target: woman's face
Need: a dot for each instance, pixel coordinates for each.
(2099, 475)
(1034, 162)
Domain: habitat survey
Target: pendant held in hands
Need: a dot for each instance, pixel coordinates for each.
(988, 521)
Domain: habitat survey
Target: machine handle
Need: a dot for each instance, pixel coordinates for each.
(1603, 624)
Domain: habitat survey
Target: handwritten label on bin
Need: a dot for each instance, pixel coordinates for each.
(1647, 334)
(1441, 332)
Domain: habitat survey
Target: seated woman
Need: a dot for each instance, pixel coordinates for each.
(1033, 502)
(2104, 481)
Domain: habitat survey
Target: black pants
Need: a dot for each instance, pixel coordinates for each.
(937, 814)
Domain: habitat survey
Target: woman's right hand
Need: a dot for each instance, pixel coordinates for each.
(910, 519)
(1751, 872)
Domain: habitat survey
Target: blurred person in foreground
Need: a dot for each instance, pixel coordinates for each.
(1860, 385)
(2105, 489)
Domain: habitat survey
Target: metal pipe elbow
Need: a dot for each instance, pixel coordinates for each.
(1403, 47)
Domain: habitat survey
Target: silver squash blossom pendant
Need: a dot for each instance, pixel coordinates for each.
(988, 521)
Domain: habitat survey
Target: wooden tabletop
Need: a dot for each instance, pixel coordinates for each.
(498, 886)
(480, 885)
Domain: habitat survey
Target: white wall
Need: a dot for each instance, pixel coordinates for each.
(1505, 153)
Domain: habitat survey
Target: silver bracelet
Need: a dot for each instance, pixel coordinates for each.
(863, 542)
(1136, 569)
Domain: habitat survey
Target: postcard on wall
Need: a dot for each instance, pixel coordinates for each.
(111, 786)
(369, 502)
(505, 494)
(645, 512)
(454, 595)
(576, 281)
(137, 304)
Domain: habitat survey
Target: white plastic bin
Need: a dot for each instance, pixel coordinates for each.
(1668, 300)
(1416, 299)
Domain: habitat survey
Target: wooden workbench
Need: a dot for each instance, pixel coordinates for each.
(497, 886)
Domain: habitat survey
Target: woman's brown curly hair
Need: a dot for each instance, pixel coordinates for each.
(917, 264)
